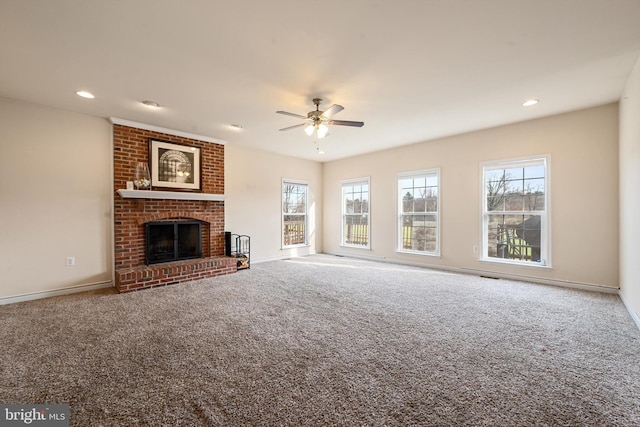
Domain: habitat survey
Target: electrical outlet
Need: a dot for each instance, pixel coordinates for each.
(71, 261)
(475, 249)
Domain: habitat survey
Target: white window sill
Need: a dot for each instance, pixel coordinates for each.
(501, 261)
(356, 247)
(429, 254)
(305, 245)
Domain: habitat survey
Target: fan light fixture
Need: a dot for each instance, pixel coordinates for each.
(320, 129)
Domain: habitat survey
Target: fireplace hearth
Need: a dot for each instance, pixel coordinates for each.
(168, 262)
(168, 241)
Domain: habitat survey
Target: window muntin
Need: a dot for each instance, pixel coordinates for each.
(294, 213)
(515, 211)
(355, 213)
(418, 212)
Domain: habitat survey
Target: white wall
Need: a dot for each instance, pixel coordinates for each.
(583, 146)
(55, 199)
(55, 196)
(630, 192)
(253, 185)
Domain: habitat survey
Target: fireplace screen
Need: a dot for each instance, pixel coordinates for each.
(172, 241)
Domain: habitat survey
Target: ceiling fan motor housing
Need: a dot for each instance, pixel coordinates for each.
(315, 115)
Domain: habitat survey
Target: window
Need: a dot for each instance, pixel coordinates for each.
(418, 212)
(355, 213)
(516, 211)
(294, 213)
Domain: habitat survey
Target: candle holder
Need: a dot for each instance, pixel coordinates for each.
(142, 179)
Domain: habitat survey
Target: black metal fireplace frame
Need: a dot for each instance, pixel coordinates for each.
(149, 257)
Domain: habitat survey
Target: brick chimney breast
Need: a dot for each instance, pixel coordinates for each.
(130, 146)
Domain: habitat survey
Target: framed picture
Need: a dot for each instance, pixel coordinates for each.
(174, 165)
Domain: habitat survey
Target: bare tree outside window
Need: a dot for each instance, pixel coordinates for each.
(355, 213)
(418, 222)
(294, 214)
(515, 203)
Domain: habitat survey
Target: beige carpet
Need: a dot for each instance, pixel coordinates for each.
(325, 340)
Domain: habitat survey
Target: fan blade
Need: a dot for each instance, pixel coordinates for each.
(294, 126)
(334, 109)
(346, 123)
(286, 113)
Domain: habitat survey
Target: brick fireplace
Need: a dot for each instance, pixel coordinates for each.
(130, 146)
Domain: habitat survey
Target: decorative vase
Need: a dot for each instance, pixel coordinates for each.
(143, 178)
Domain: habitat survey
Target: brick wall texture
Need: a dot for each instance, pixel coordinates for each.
(130, 146)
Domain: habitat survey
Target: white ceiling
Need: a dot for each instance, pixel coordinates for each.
(412, 70)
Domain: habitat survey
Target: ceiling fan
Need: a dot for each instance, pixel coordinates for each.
(317, 121)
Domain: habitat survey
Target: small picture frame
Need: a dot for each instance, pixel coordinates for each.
(174, 165)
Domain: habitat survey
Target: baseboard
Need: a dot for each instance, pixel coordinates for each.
(56, 292)
(280, 258)
(480, 272)
(270, 259)
(633, 314)
(542, 281)
(367, 257)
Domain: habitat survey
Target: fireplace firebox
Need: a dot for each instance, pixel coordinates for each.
(172, 241)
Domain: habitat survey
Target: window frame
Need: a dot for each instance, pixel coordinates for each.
(300, 183)
(423, 173)
(347, 183)
(545, 214)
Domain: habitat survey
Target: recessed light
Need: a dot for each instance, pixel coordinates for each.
(85, 94)
(236, 126)
(151, 104)
(530, 102)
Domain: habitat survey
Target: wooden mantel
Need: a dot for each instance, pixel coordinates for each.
(170, 195)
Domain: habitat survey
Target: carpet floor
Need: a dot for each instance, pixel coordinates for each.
(325, 340)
